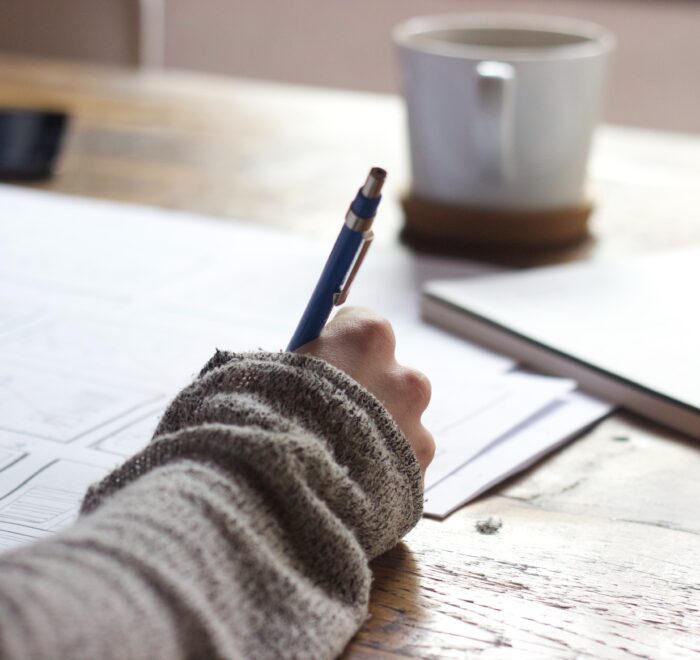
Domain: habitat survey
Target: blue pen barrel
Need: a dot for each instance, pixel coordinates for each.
(340, 268)
(321, 302)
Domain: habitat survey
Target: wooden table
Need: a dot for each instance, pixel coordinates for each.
(599, 552)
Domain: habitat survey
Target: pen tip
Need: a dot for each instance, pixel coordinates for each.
(374, 183)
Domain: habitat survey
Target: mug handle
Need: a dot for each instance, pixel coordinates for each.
(496, 88)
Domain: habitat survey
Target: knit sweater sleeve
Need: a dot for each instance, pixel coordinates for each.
(243, 530)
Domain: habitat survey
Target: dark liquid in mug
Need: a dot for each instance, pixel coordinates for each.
(505, 38)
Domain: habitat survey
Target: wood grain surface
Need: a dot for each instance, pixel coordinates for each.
(599, 551)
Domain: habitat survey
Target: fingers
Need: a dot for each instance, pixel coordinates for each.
(356, 330)
(423, 445)
(407, 397)
(363, 329)
(362, 343)
(416, 388)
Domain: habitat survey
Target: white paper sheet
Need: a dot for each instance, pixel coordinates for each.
(60, 405)
(107, 310)
(515, 451)
(475, 416)
(42, 484)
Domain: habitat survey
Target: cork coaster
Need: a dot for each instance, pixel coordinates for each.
(434, 226)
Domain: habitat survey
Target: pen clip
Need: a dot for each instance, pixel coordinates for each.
(341, 296)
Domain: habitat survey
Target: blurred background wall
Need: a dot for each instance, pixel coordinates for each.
(655, 80)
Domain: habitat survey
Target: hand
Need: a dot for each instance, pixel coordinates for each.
(362, 344)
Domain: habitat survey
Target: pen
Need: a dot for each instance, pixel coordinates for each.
(343, 262)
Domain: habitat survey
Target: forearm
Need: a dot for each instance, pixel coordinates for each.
(243, 530)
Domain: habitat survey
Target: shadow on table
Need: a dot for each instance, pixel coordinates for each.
(395, 607)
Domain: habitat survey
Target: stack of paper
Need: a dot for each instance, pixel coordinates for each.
(107, 310)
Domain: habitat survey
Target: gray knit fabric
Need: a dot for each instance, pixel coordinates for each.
(242, 531)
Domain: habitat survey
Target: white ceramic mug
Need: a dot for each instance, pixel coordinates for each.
(501, 108)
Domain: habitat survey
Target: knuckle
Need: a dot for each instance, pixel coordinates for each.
(417, 387)
(425, 449)
(377, 333)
